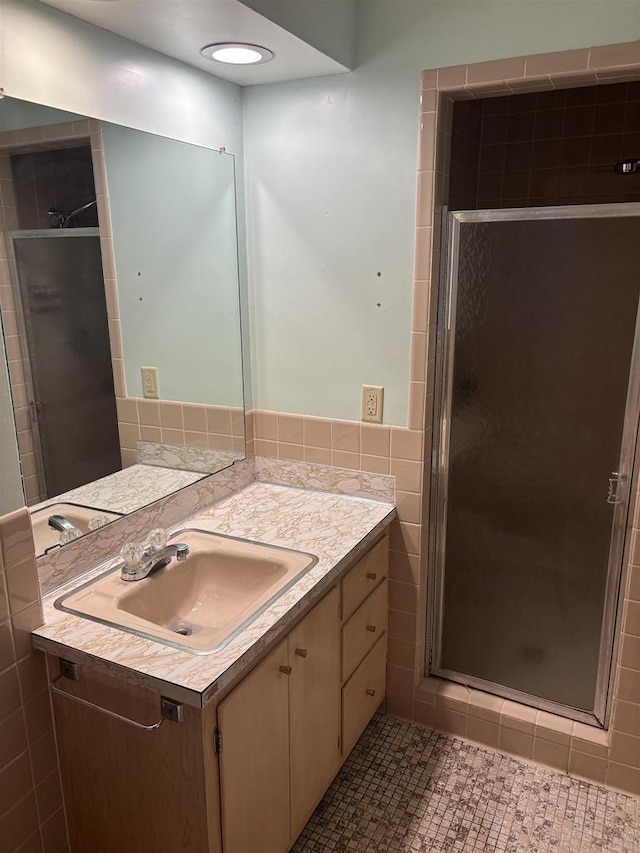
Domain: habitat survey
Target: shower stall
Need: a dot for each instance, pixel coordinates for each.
(60, 296)
(538, 402)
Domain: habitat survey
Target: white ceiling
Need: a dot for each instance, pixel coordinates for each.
(179, 28)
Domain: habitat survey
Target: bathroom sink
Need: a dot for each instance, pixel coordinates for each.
(46, 537)
(198, 604)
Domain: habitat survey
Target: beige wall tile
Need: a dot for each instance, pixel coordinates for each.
(408, 475)
(22, 625)
(516, 742)
(16, 539)
(630, 654)
(194, 417)
(551, 754)
(54, 833)
(588, 767)
(15, 782)
(615, 54)
(375, 439)
(557, 63)
(409, 506)
(401, 653)
(219, 420)
(402, 626)
(171, 415)
(290, 429)
(265, 425)
(518, 717)
(22, 585)
(149, 412)
(425, 713)
(485, 706)
(345, 435)
(317, 432)
(482, 731)
(403, 596)
(374, 464)
(406, 444)
(628, 684)
(127, 409)
(290, 451)
(319, 455)
(345, 459)
(10, 699)
(453, 76)
(623, 778)
(13, 738)
(632, 618)
(625, 749)
(497, 70)
(7, 654)
(400, 706)
(626, 717)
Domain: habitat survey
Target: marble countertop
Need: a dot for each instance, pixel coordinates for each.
(335, 528)
(127, 490)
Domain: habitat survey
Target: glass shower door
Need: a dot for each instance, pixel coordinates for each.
(538, 420)
(59, 281)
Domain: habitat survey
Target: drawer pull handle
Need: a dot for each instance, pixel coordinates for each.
(370, 691)
(372, 575)
(302, 653)
(371, 628)
(286, 670)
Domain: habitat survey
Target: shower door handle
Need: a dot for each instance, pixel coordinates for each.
(614, 480)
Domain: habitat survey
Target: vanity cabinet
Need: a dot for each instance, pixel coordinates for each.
(244, 774)
(279, 736)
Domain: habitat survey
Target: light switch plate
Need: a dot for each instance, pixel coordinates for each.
(150, 387)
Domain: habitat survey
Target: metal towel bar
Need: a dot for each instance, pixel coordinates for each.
(169, 709)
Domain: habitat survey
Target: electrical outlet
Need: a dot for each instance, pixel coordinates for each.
(150, 388)
(372, 397)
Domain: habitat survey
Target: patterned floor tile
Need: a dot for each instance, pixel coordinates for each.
(406, 789)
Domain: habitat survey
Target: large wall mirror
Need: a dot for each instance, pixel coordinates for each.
(121, 362)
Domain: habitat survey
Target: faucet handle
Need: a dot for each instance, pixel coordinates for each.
(132, 554)
(157, 539)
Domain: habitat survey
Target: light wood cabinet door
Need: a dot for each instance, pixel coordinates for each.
(254, 759)
(314, 707)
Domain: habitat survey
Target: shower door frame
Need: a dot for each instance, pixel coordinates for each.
(24, 329)
(622, 513)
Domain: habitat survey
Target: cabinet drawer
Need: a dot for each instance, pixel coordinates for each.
(362, 694)
(363, 629)
(367, 573)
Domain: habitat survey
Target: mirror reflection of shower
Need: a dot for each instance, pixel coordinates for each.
(67, 220)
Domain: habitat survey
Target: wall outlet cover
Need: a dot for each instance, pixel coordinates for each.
(372, 402)
(150, 386)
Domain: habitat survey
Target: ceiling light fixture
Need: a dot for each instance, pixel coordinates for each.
(237, 53)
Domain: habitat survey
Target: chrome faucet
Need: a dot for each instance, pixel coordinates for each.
(60, 523)
(140, 559)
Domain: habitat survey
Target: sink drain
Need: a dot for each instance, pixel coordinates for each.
(184, 631)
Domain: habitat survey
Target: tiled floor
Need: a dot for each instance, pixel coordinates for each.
(405, 788)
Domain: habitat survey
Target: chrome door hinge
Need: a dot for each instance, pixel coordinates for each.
(613, 497)
(217, 741)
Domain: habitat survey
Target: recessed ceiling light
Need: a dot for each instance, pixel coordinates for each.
(237, 53)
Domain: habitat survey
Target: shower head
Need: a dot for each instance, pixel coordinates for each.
(627, 167)
(63, 219)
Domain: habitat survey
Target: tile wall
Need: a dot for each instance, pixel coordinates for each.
(60, 178)
(24, 140)
(546, 148)
(186, 424)
(611, 757)
(32, 818)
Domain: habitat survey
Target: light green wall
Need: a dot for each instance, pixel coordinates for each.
(330, 171)
(174, 235)
(11, 495)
